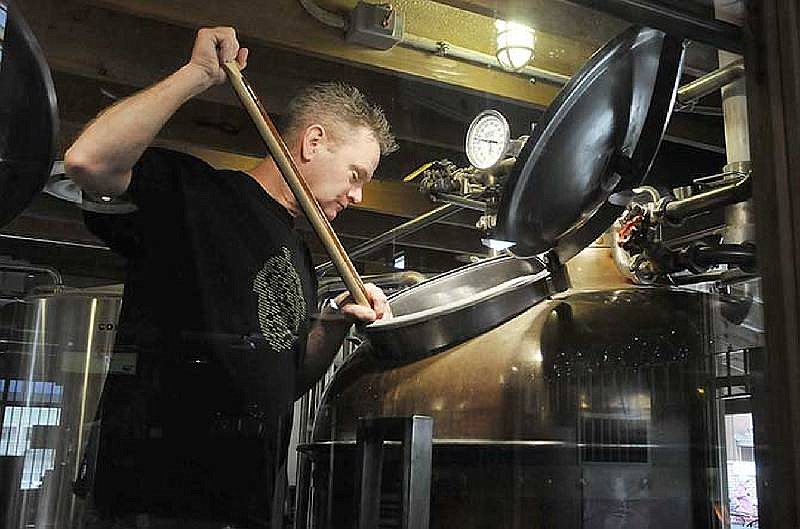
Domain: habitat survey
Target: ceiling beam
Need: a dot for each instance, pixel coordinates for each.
(557, 18)
(284, 23)
(393, 198)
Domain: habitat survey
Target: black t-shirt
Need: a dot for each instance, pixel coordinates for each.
(216, 309)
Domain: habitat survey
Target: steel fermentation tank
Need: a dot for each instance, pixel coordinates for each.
(54, 356)
(552, 406)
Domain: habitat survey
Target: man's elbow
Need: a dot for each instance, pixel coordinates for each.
(92, 175)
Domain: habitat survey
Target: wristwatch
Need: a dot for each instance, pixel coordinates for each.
(330, 307)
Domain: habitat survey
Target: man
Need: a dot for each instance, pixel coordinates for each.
(218, 298)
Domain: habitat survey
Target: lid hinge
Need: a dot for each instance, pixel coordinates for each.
(559, 276)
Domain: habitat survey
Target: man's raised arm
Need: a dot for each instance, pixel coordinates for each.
(102, 157)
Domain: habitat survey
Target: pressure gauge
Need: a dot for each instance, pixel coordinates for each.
(488, 139)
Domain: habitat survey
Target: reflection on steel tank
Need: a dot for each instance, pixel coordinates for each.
(55, 353)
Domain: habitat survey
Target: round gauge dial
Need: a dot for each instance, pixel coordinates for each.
(487, 139)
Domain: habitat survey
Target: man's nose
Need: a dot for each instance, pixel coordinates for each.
(355, 195)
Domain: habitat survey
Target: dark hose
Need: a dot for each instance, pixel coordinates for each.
(741, 255)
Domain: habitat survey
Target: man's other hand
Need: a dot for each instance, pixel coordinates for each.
(379, 308)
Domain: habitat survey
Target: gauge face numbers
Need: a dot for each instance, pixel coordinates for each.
(487, 139)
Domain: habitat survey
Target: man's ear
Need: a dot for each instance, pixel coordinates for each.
(313, 139)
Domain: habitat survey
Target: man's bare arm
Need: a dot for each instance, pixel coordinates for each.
(102, 157)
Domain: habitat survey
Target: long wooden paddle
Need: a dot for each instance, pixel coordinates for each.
(283, 159)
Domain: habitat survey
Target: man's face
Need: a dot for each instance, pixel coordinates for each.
(338, 170)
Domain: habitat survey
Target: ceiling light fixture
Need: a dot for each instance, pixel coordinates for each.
(514, 44)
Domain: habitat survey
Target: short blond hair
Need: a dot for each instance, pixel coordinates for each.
(334, 104)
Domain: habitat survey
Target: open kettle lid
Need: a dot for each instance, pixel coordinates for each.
(28, 115)
(599, 137)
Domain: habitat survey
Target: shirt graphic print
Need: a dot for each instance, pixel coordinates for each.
(281, 306)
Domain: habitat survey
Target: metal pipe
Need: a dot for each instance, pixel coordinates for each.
(677, 210)
(464, 202)
(445, 49)
(669, 19)
(710, 82)
(694, 90)
(739, 218)
(437, 47)
(397, 232)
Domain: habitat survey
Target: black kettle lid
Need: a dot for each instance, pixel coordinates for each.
(598, 137)
(28, 115)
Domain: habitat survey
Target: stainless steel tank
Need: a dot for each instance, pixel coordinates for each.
(576, 408)
(54, 356)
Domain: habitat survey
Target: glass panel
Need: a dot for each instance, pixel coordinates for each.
(566, 242)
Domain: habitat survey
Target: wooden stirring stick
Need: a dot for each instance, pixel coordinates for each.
(283, 159)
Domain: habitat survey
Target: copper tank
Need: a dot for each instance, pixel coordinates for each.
(589, 408)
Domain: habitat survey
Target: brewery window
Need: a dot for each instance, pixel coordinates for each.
(741, 470)
(19, 436)
(40, 392)
(19, 423)
(737, 456)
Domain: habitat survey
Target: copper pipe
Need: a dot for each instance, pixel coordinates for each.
(283, 159)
